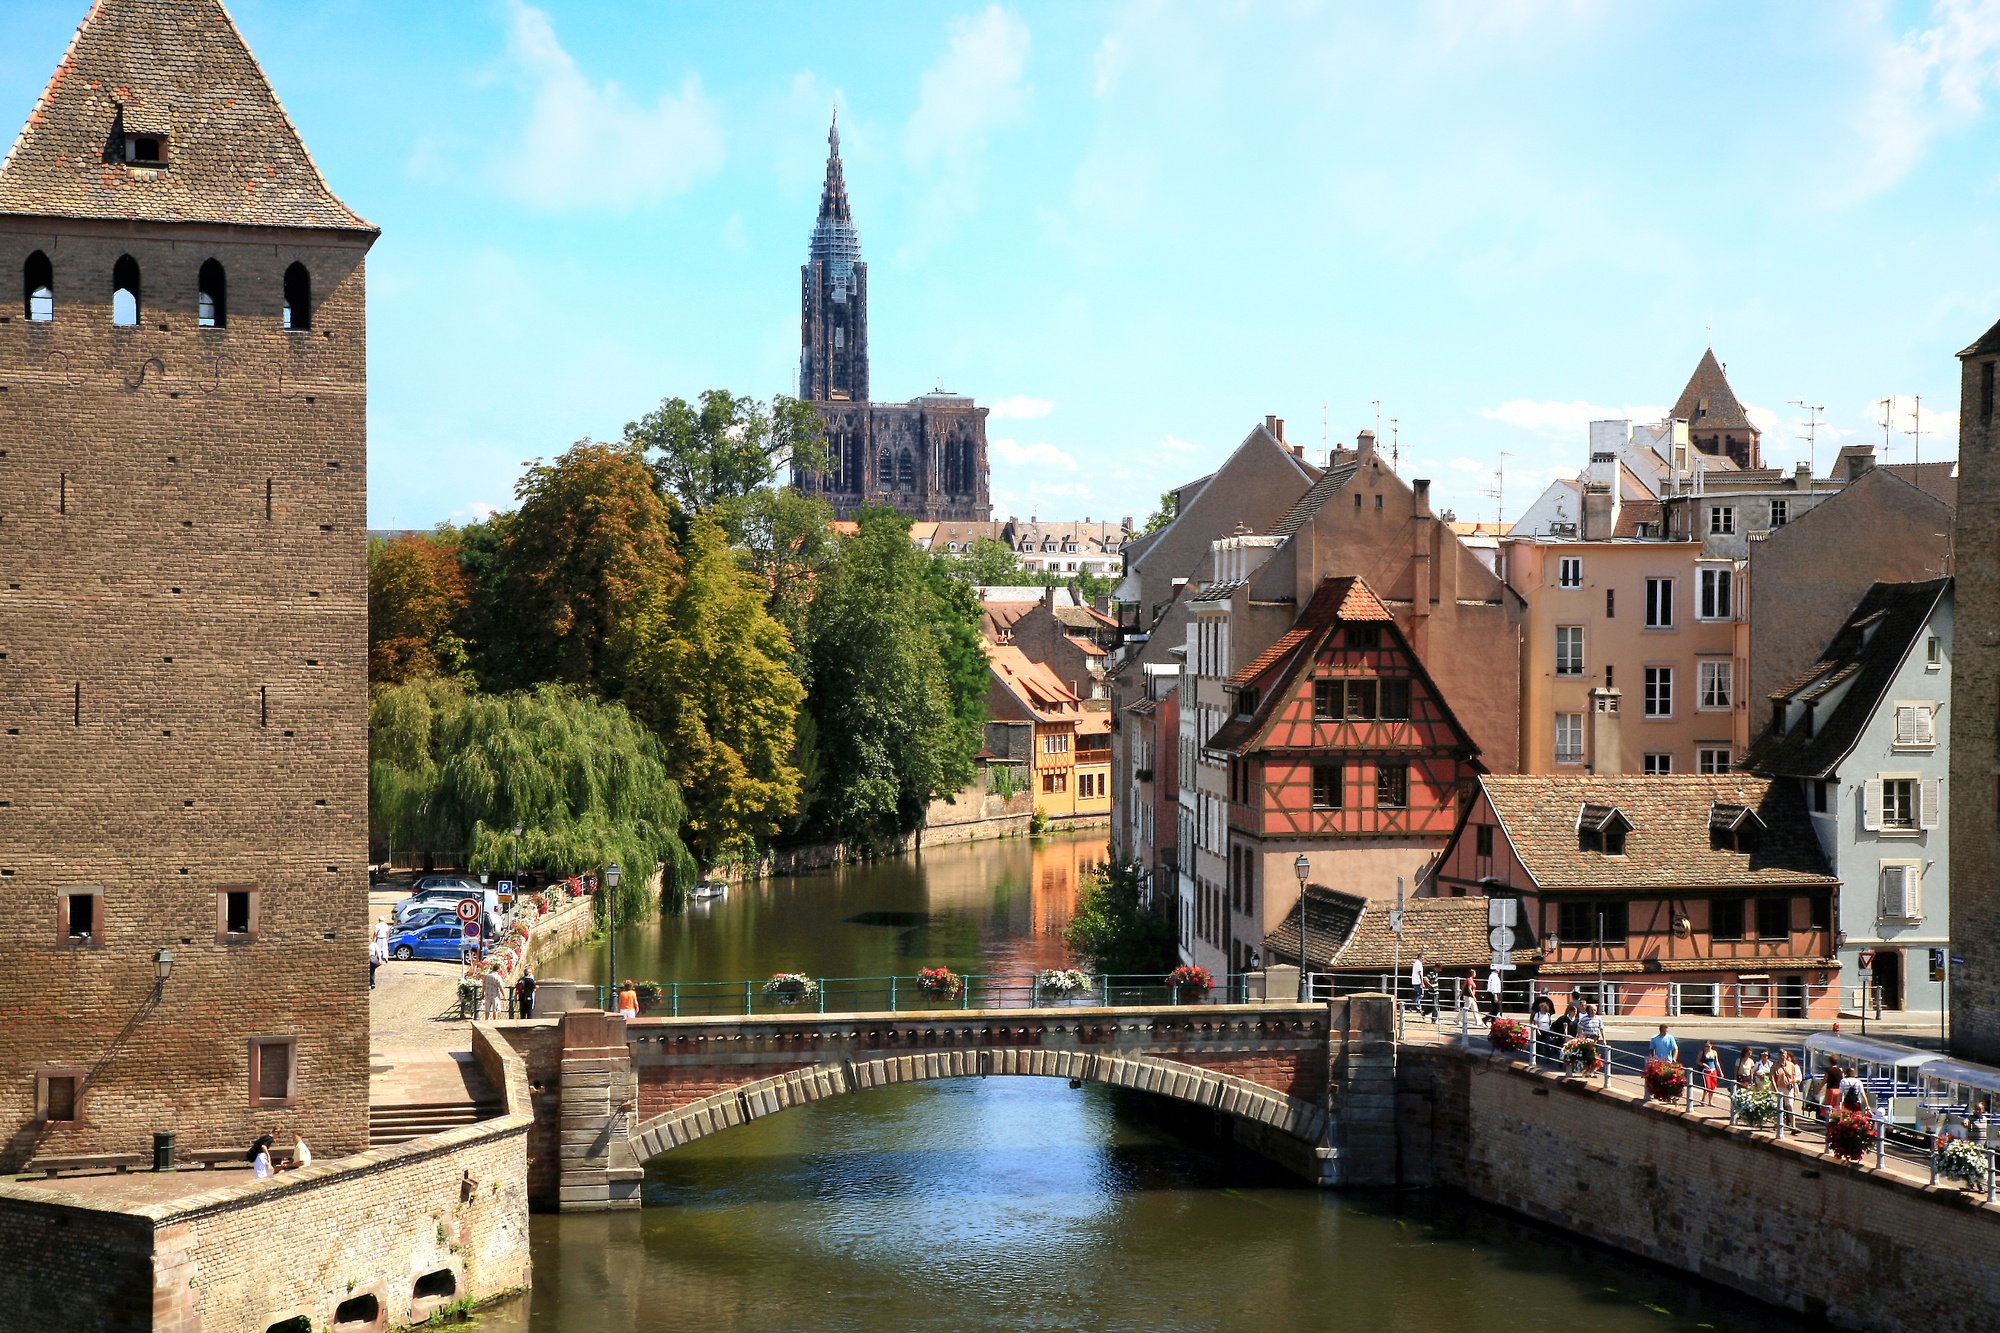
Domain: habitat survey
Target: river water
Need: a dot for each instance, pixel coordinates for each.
(1021, 1204)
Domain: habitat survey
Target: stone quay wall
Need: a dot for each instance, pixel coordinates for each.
(247, 1254)
(1770, 1218)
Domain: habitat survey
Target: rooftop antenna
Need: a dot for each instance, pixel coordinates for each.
(1376, 403)
(1498, 491)
(1887, 417)
(1395, 447)
(1916, 430)
(1324, 444)
(1812, 431)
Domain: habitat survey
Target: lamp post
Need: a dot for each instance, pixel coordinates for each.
(612, 874)
(163, 967)
(1303, 867)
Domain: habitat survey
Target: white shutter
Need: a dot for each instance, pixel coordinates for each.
(1906, 725)
(1895, 892)
(1871, 804)
(1927, 803)
(1926, 725)
(1913, 891)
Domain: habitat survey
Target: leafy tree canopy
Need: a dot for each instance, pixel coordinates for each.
(1113, 930)
(418, 597)
(546, 780)
(728, 448)
(989, 563)
(1169, 510)
(707, 670)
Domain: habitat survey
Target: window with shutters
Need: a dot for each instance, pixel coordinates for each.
(1901, 888)
(1916, 726)
(1715, 682)
(1901, 803)
(1659, 603)
(1569, 650)
(1717, 588)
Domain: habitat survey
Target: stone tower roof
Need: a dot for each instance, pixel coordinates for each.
(834, 238)
(178, 69)
(1708, 403)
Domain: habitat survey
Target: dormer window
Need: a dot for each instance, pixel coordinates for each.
(1602, 828)
(146, 150)
(1733, 827)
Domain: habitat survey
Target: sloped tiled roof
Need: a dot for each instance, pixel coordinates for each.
(1037, 687)
(1938, 480)
(1084, 617)
(1989, 341)
(178, 67)
(1330, 918)
(1448, 932)
(1333, 601)
(1708, 403)
(1864, 654)
(1670, 845)
(1330, 483)
(1634, 512)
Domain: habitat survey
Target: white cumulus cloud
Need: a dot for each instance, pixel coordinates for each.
(974, 88)
(1021, 408)
(591, 145)
(1929, 81)
(1174, 444)
(1037, 455)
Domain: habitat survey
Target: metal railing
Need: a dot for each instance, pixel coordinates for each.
(908, 993)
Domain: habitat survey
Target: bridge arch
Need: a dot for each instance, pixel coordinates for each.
(1287, 1115)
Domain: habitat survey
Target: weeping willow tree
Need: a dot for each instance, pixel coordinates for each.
(548, 780)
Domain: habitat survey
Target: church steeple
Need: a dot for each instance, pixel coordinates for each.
(833, 316)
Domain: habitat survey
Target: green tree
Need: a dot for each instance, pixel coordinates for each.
(1169, 510)
(592, 536)
(727, 448)
(962, 651)
(786, 543)
(1110, 928)
(548, 780)
(708, 670)
(1088, 587)
(889, 739)
(418, 597)
(988, 563)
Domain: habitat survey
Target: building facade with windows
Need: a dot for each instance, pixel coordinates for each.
(1022, 691)
(183, 618)
(925, 458)
(1864, 733)
(1663, 896)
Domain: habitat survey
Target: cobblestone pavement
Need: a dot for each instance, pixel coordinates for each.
(407, 1005)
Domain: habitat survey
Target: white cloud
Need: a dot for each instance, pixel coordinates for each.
(1021, 408)
(1039, 455)
(1566, 419)
(1932, 80)
(1470, 464)
(1176, 445)
(1939, 440)
(972, 89)
(1763, 418)
(589, 145)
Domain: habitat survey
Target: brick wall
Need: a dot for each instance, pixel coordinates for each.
(1774, 1220)
(1974, 788)
(183, 643)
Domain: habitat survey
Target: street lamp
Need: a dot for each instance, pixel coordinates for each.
(1303, 867)
(612, 874)
(163, 967)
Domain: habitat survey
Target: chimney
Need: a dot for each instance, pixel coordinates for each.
(1126, 523)
(1601, 500)
(1279, 431)
(1860, 459)
(1364, 444)
(1274, 428)
(1607, 744)
(1802, 476)
(1049, 597)
(1422, 487)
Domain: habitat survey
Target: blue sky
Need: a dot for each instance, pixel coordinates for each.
(1133, 229)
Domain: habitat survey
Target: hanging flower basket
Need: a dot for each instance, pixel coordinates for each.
(649, 993)
(1849, 1134)
(1754, 1106)
(1508, 1034)
(940, 983)
(1191, 983)
(1666, 1080)
(1582, 1055)
(790, 989)
(1963, 1161)
(1063, 981)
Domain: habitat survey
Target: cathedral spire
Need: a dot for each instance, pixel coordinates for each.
(834, 238)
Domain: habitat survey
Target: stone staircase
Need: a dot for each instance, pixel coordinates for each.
(414, 1092)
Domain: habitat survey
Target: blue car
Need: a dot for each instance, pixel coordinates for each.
(443, 941)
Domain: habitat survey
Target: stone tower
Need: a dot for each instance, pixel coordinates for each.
(1717, 423)
(183, 610)
(833, 299)
(1974, 786)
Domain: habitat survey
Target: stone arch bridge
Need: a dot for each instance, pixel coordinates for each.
(1309, 1085)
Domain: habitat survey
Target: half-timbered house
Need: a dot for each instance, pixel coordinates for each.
(1019, 690)
(1341, 750)
(1658, 895)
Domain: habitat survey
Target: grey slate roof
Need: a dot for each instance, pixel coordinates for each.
(177, 67)
(1330, 918)
(1864, 654)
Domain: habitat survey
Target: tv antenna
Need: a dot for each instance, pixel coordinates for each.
(1395, 447)
(1499, 490)
(1916, 430)
(1324, 443)
(1812, 431)
(1376, 403)
(1888, 416)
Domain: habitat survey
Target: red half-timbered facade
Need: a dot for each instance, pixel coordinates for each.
(1341, 750)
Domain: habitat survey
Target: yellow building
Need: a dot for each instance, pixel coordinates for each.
(1020, 691)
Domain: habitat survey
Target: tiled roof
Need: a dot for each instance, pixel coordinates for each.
(1989, 341)
(1448, 932)
(1670, 845)
(1084, 617)
(1710, 384)
(178, 67)
(1634, 512)
(1864, 655)
(1329, 484)
(1330, 919)
(1037, 687)
(1939, 480)
(1335, 600)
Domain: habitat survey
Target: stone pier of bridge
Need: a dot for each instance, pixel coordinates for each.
(1310, 1086)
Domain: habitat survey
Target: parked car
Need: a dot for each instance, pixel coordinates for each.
(446, 898)
(441, 940)
(428, 882)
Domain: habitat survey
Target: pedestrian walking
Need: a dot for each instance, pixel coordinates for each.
(490, 990)
(628, 1000)
(1493, 991)
(1710, 1065)
(1829, 1092)
(1746, 1068)
(1664, 1047)
(524, 993)
(1543, 1017)
(1785, 1082)
(1591, 1025)
(1417, 979)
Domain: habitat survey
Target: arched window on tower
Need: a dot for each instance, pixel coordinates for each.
(907, 474)
(39, 288)
(885, 469)
(125, 291)
(211, 300)
(298, 298)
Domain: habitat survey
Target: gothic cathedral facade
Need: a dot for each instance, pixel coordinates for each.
(925, 458)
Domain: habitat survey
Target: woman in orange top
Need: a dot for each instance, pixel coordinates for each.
(628, 1000)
